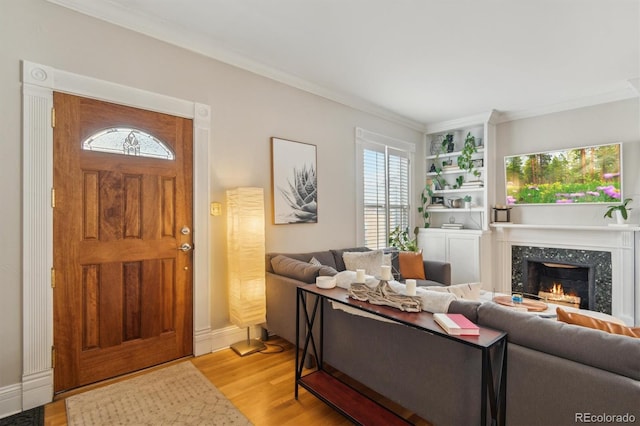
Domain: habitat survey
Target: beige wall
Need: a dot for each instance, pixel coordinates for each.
(247, 111)
(596, 125)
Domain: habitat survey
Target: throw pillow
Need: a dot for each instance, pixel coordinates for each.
(469, 291)
(370, 261)
(411, 265)
(598, 324)
(296, 269)
(315, 262)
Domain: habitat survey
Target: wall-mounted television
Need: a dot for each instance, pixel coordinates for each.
(591, 174)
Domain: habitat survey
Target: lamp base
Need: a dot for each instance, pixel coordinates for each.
(247, 347)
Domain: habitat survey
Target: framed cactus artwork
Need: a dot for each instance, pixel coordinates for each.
(294, 182)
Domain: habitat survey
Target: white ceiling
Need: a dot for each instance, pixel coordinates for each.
(415, 61)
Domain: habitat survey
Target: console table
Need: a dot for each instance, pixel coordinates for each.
(359, 408)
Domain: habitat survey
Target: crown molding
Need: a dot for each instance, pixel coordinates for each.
(154, 27)
(490, 117)
(583, 102)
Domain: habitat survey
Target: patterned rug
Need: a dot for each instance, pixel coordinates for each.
(33, 417)
(175, 395)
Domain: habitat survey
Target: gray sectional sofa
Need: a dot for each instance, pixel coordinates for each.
(558, 374)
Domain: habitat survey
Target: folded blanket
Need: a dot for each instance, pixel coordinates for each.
(432, 301)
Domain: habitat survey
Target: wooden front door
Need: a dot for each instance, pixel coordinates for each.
(123, 295)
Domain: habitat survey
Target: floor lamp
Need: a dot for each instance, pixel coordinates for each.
(246, 263)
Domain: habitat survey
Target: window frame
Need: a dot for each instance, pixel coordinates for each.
(369, 140)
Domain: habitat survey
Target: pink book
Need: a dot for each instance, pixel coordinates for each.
(456, 324)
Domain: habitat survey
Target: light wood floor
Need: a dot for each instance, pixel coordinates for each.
(261, 385)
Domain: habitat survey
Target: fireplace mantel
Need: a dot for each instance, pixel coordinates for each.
(621, 241)
(601, 228)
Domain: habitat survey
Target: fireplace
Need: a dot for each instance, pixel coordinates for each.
(570, 284)
(584, 274)
(613, 252)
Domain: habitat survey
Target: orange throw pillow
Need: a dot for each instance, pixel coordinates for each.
(598, 324)
(411, 265)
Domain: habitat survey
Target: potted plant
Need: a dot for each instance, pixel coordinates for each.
(447, 143)
(620, 210)
(467, 201)
(399, 238)
(465, 159)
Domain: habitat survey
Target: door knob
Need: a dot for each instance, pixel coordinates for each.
(185, 247)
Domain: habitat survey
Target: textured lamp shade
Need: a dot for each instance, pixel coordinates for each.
(246, 256)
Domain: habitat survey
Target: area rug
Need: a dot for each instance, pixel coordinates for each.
(175, 395)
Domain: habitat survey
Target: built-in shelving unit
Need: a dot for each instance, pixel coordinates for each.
(443, 175)
(467, 249)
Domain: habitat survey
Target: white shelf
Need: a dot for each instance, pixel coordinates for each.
(456, 171)
(449, 209)
(451, 154)
(457, 191)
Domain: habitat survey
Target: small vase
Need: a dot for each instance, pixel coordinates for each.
(467, 204)
(619, 218)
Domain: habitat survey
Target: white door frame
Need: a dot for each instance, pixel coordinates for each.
(38, 84)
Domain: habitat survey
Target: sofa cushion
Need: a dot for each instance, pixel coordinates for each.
(590, 322)
(296, 269)
(610, 352)
(339, 261)
(411, 265)
(370, 261)
(324, 257)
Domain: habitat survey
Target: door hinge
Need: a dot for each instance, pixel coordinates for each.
(53, 198)
(53, 357)
(53, 278)
(53, 117)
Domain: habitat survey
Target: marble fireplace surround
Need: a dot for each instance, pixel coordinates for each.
(621, 242)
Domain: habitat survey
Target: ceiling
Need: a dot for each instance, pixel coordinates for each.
(413, 61)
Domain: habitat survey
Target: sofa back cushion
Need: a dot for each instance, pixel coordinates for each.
(324, 257)
(610, 352)
(299, 270)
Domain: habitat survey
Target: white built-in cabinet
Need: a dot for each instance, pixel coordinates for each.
(467, 249)
(468, 252)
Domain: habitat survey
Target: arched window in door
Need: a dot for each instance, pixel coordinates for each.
(128, 141)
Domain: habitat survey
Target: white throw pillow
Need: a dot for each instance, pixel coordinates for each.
(370, 261)
(470, 291)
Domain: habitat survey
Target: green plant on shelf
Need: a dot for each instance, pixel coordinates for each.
(425, 200)
(465, 159)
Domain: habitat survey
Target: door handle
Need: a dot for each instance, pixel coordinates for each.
(185, 247)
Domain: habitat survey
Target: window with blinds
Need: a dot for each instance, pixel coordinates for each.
(386, 181)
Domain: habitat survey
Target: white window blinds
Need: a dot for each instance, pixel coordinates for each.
(385, 192)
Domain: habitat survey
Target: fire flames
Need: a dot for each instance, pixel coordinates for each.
(557, 295)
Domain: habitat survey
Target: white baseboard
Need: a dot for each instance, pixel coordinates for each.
(222, 338)
(10, 400)
(37, 389)
(202, 342)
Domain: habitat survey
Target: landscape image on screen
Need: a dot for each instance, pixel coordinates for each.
(580, 175)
